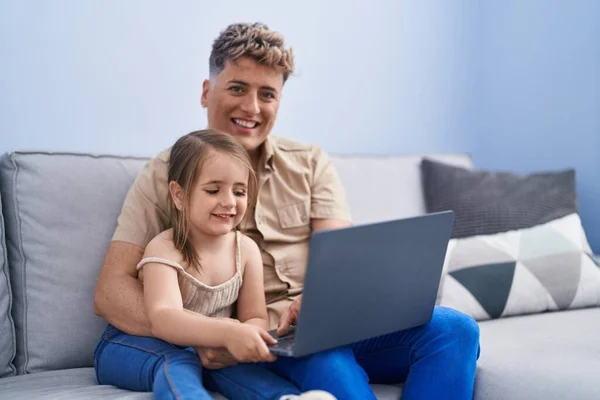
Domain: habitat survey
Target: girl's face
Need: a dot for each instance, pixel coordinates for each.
(219, 196)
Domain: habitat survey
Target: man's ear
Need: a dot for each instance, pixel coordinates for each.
(205, 90)
(176, 193)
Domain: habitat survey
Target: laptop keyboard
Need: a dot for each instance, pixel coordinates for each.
(284, 343)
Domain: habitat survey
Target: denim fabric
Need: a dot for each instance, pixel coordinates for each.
(171, 372)
(146, 364)
(435, 361)
(334, 371)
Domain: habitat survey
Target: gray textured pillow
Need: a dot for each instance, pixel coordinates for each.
(492, 202)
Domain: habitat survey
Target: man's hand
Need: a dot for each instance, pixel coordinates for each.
(289, 317)
(215, 358)
(218, 358)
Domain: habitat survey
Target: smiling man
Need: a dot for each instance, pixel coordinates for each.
(299, 193)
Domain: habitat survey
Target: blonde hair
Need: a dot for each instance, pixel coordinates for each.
(256, 41)
(187, 156)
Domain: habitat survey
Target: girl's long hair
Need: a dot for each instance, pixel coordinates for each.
(187, 156)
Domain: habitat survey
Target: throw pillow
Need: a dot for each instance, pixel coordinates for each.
(488, 202)
(518, 246)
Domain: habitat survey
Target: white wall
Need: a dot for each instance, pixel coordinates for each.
(125, 76)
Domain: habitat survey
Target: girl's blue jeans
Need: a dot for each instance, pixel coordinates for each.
(434, 361)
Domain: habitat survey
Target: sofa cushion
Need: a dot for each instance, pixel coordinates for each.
(60, 214)
(81, 384)
(77, 383)
(7, 328)
(518, 244)
(543, 356)
(393, 180)
(544, 268)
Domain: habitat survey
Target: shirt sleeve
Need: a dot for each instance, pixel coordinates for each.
(328, 197)
(145, 210)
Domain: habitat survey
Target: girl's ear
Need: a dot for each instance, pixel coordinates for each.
(176, 193)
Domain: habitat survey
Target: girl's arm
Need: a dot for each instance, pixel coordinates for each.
(168, 319)
(252, 306)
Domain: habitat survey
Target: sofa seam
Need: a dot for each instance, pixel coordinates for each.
(23, 265)
(383, 156)
(6, 272)
(77, 154)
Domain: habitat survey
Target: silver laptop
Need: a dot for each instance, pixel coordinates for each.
(369, 280)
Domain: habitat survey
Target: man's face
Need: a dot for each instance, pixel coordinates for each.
(243, 100)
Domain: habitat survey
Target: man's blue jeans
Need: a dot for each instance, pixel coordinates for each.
(435, 361)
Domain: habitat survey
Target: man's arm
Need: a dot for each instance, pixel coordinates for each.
(328, 224)
(119, 296)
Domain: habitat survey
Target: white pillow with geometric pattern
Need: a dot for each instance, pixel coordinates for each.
(547, 267)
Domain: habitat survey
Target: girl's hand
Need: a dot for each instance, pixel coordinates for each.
(248, 343)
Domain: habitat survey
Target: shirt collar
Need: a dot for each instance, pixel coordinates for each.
(267, 154)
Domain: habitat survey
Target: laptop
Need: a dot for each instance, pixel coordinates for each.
(368, 280)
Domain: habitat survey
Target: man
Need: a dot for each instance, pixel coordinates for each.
(299, 193)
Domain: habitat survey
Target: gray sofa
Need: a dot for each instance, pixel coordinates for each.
(58, 215)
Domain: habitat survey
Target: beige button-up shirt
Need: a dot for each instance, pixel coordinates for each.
(297, 182)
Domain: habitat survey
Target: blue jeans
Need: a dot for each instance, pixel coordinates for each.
(435, 361)
(147, 364)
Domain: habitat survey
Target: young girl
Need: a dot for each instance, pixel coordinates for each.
(194, 276)
(203, 264)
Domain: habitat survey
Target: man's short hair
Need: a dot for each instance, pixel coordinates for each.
(256, 41)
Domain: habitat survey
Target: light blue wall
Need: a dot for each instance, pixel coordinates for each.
(516, 83)
(125, 77)
(539, 101)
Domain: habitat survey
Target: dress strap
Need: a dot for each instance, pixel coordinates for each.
(238, 252)
(159, 260)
